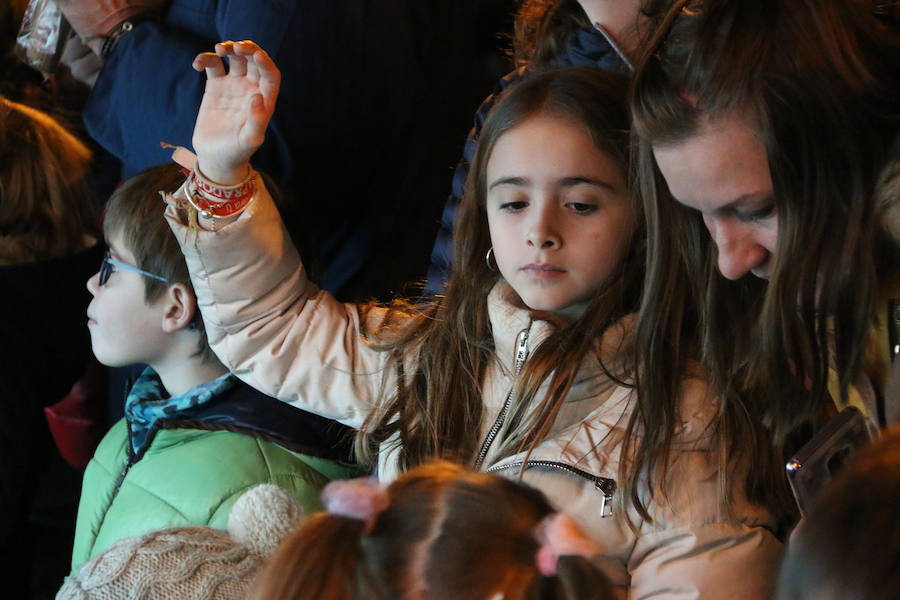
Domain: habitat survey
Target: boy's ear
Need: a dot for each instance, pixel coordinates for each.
(181, 306)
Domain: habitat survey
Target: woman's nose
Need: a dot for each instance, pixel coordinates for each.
(739, 251)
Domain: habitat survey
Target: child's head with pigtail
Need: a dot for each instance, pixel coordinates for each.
(438, 532)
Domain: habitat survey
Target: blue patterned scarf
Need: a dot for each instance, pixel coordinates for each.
(148, 402)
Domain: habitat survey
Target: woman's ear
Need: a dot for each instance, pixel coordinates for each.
(181, 306)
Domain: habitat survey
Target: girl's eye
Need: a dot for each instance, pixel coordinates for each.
(513, 206)
(582, 208)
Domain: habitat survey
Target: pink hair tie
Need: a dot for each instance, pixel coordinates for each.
(560, 535)
(362, 499)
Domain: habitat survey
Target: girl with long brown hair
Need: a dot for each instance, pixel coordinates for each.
(548, 34)
(767, 163)
(523, 367)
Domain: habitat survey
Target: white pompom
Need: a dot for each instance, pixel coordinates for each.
(262, 517)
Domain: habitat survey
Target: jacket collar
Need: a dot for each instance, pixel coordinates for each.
(148, 403)
(509, 317)
(228, 404)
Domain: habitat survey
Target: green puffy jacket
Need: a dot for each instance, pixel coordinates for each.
(187, 476)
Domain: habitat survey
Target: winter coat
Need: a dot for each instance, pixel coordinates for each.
(281, 334)
(191, 471)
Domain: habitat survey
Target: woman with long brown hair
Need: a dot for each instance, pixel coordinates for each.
(523, 367)
(767, 162)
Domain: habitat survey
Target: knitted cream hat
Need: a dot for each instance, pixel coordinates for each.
(197, 563)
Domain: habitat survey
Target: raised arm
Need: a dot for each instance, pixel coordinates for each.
(264, 319)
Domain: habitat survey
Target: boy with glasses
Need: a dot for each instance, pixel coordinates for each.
(194, 438)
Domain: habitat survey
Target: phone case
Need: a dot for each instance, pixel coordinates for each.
(823, 456)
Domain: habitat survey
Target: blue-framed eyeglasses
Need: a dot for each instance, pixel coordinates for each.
(109, 264)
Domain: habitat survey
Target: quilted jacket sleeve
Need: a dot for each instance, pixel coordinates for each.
(696, 547)
(271, 326)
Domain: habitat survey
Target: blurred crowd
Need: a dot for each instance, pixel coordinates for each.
(482, 299)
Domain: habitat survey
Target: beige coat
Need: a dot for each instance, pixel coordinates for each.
(281, 334)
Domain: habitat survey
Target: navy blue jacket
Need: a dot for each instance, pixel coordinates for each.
(361, 81)
(584, 48)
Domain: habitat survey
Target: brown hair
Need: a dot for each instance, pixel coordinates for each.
(542, 28)
(46, 208)
(819, 78)
(437, 409)
(447, 533)
(135, 212)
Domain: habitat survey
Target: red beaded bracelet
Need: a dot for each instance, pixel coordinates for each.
(224, 193)
(217, 210)
(216, 201)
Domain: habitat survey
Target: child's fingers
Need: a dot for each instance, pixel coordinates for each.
(237, 65)
(265, 64)
(245, 50)
(269, 76)
(245, 47)
(224, 48)
(211, 63)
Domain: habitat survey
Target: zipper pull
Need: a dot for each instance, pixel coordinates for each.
(606, 507)
(608, 488)
(521, 349)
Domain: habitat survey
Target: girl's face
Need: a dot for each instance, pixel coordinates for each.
(559, 212)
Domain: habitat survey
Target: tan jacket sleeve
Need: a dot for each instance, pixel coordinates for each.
(696, 548)
(270, 325)
(712, 560)
(734, 558)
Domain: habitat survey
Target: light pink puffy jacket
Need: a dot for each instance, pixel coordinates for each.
(281, 334)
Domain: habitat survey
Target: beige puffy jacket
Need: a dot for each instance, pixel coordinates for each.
(281, 334)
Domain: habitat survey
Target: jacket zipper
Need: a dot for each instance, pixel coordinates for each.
(132, 459)
(521, 355)
(606, 485)
(129, 446)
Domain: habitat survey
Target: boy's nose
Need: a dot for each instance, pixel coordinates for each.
(92, 285)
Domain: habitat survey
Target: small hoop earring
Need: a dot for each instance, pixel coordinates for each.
(487, 259)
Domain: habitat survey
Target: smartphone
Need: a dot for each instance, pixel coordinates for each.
(810, 470)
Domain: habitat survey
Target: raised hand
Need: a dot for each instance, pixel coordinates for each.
(235, 110)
